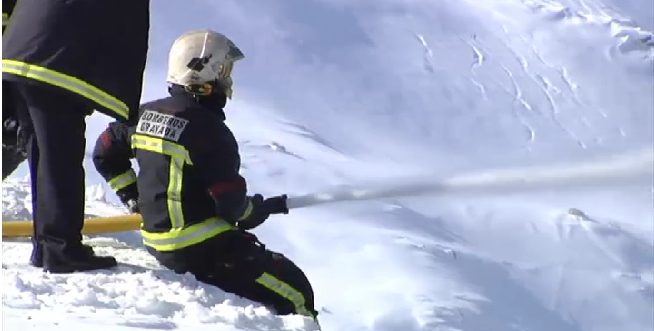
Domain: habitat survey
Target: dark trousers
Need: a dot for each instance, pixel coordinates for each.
(54, 128)
(236, 261)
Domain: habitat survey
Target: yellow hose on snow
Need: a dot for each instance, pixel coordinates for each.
(120, 223)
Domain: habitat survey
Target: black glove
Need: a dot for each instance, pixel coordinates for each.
(10, 128)
(129, 196)
(255, 213)
(276, 204)
(133, 206)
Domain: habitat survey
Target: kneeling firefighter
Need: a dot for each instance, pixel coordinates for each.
(193, 200)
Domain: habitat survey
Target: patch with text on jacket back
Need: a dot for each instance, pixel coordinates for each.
(160, 125)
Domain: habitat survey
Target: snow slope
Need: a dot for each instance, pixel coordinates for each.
(340, 92)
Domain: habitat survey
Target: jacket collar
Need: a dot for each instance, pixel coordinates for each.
(214, 103)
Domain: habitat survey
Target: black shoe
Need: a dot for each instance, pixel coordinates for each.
(83, 259)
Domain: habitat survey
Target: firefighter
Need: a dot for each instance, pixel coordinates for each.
(194, 203)
(13, 151)
(62, 60)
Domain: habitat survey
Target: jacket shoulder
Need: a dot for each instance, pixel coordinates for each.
(206, 130)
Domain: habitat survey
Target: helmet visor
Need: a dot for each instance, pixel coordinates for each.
(234, 53)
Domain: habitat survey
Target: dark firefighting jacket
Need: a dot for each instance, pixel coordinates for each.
(189, 186)
(93, 49)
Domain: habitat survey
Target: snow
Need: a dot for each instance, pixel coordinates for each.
(354, 96)
(138, 294)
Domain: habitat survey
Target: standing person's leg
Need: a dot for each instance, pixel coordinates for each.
(32, 149)
(36, 259)
(59, 128)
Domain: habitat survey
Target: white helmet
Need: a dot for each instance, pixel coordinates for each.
(198, 60)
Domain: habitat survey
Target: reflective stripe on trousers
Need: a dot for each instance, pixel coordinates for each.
(123, 180)
(67, 82)
(288, 292)
(180, 238)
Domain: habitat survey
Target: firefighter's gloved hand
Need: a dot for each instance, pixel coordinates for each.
(129, 196)
(133, 206)
(276, 204)
(254, 214)
(10, 127)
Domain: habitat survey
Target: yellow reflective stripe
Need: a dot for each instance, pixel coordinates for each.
(67, 82)
(180, 238)
(5, 19)
(121, 181)
(158, 145)
(178, 157)
(288, 292)
(247, 211)
(174, 192)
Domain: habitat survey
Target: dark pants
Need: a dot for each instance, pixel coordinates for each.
(54, 131)
(238, 263)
